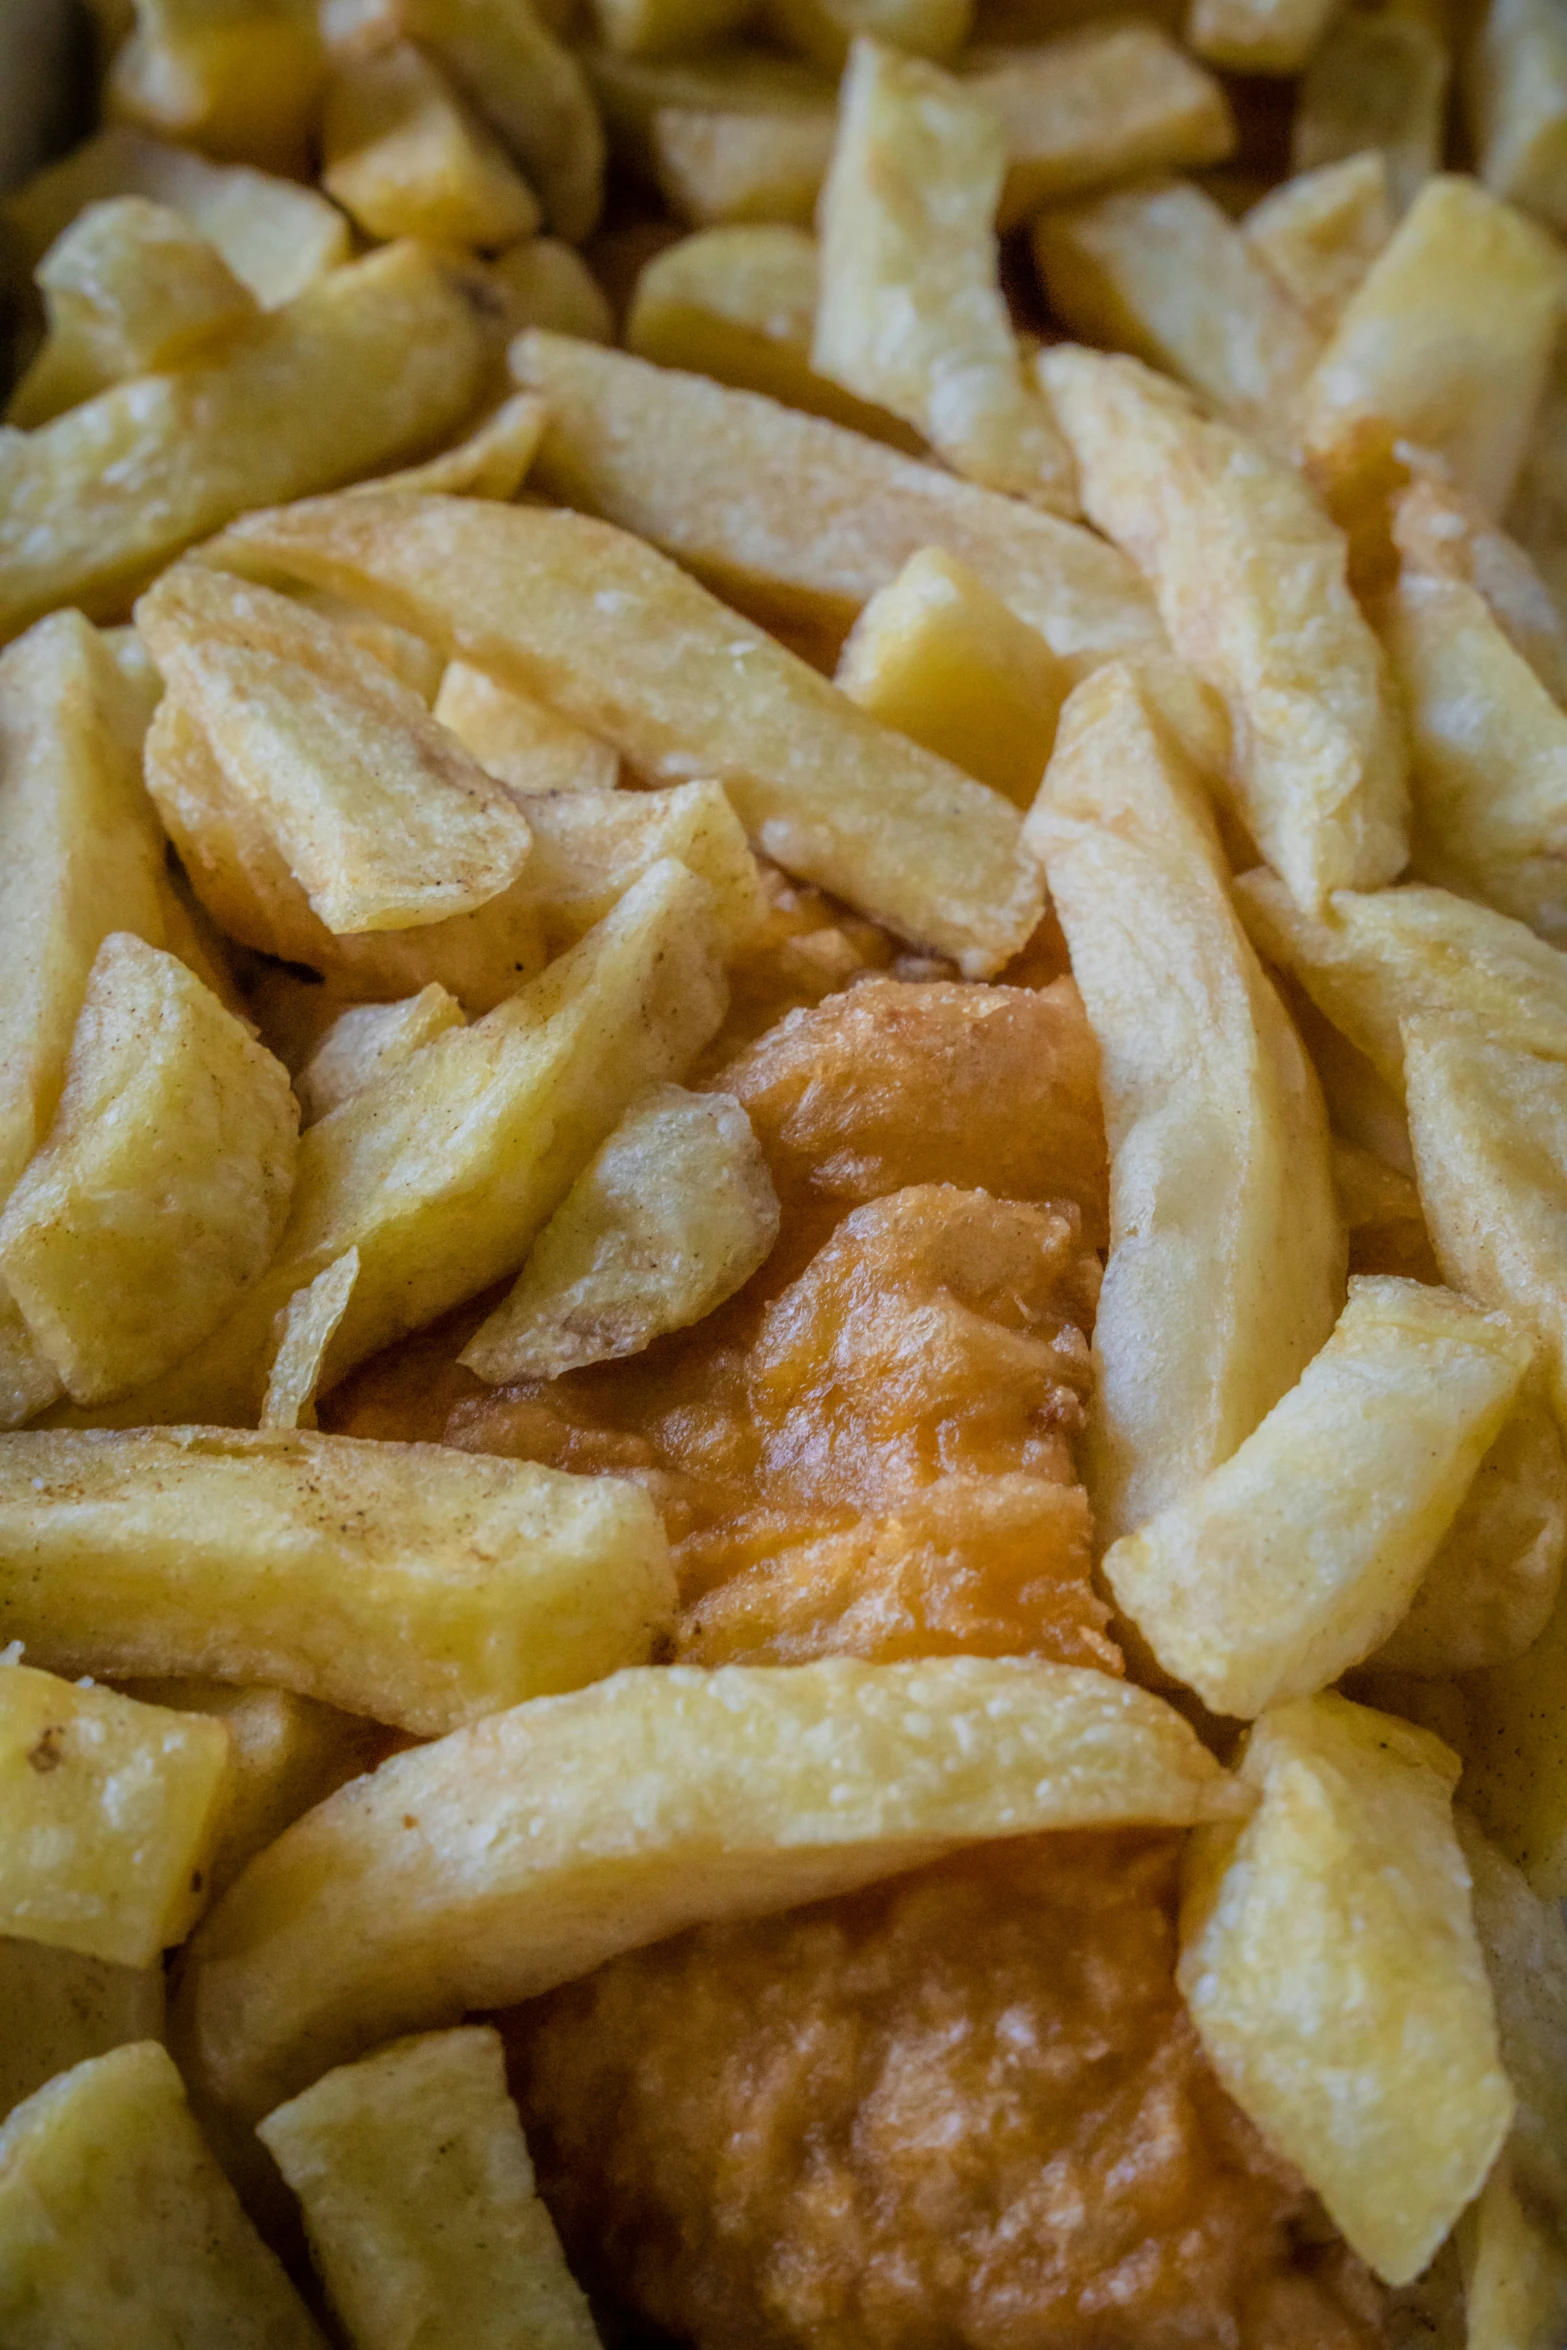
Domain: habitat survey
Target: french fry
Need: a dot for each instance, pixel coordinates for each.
(418, 1585)
(939, 656)
(407, 656)
(380, 814)
(730, 81)
(365, 366)
(1158, 270)
(619, 640)
(519, 739)
(162, 1186)
(1515, 88)
(492, 462)
(1440, 532)
(1257, 36)
(29, 1382)
(616, 1817)
(1444, 344)
(1308, 1940)
(276, 236)
(911, 314)
(545, 283)
(405, 157)
(1297, 1556)
(1525, 1946)
(799, 521)
(1320, 232)
(1514, 1740)
(589, 848)
(1250, 579)
(825, 30)
(441, 1172)
(1098, 105)
(286, 1754)
(1220, 1185)
(1378, 81)
(739, 304)
(130, 288)
(110, 1812)
(1515, 2270)
(306, 1328)
(668, 1219)
(57, 2007)
(240, 81)
(117, 2224)
(366, 1042)
(530, 89)
(715, 168)
(419, 2198)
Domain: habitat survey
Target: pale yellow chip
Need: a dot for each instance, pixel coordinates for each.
(58, 2007)
(405, 157)
(1514, 1740)
(366, 1042)
(1220, 1187)
(306, 1328)
(1524, 1940)
(1295, 1558)
(1441, 532)
(547, 1839)
(241, 82)
(419, 2200)
(1515, 2270)
(109, 1814)
(590, 847)
(826, 30)
(1257, 36)
(715, 169)
(1312, 1937)
(1320, 231)
(407, 656)
(492, 462)
(545, 283)
(163, 1184)
(1516, 91)
(519, 739)
(1378, 82)
(1251, 582)
(513, 70)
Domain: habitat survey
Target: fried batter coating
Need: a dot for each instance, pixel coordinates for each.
(961, 2111)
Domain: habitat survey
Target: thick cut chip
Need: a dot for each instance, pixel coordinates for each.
(1525, 1944)
(1515, 2269)
(306, 1328)
(1098, 105)
(546, 283)
(404, 156)
(530, 89)
(1445, 344)
(1514, 1741)
(491, 462)
(161, 1188)
(421, 1586)
(109, 1812)
(441, 1172)
(911, 313)
(731, 81)
(1250, 578)
(1516, 88)
(548, 1839)
(589, 847)
(419, 2198)
(1320, 232)
(715, 169)
(1439, 531)
(825, 30)
(1331, 1965)
(618, 639)
(1377, 84)
(240, 79)
(519, 739)
(1226, 1252)
(370, 364)
(368, 1041)
(1295, 1558)
(276, 236)
(739, 304)
(116, 2224)
(939, 656)
(1161, 271)
(674, 1212)
(58, 2007)
(398, 649)
(382, 817)
(1257, 36)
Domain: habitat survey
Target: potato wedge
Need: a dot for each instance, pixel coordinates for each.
(276, 236)
(369, 364)
(1250, 579)
(1320, 231)
(1220, 1182)
(543, 282)
(1445, 344)
(239, 81)
(368, 1041)
(519, 739)
(110, 1814)
(162, 1186)
(441, 1172)
(492, 462)
(667, 1220)
(716, 169)
(407, 656)
(911, 313)
(1377, 82)
(419, 2198)
(420, 1586)
(1257, 36)
(306, 1328)
(616, 1817)
(57, 2007)
(1296, 1557)
(116, 2223)
(1158, 269)
(405, 157)
(531, 90)
(382, 817)
(1310, 1938)
(1515, 88)
(938, 655)
(797, 520)
(619, 640)
(1440, 532)
(589, 847)
(729, 81)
